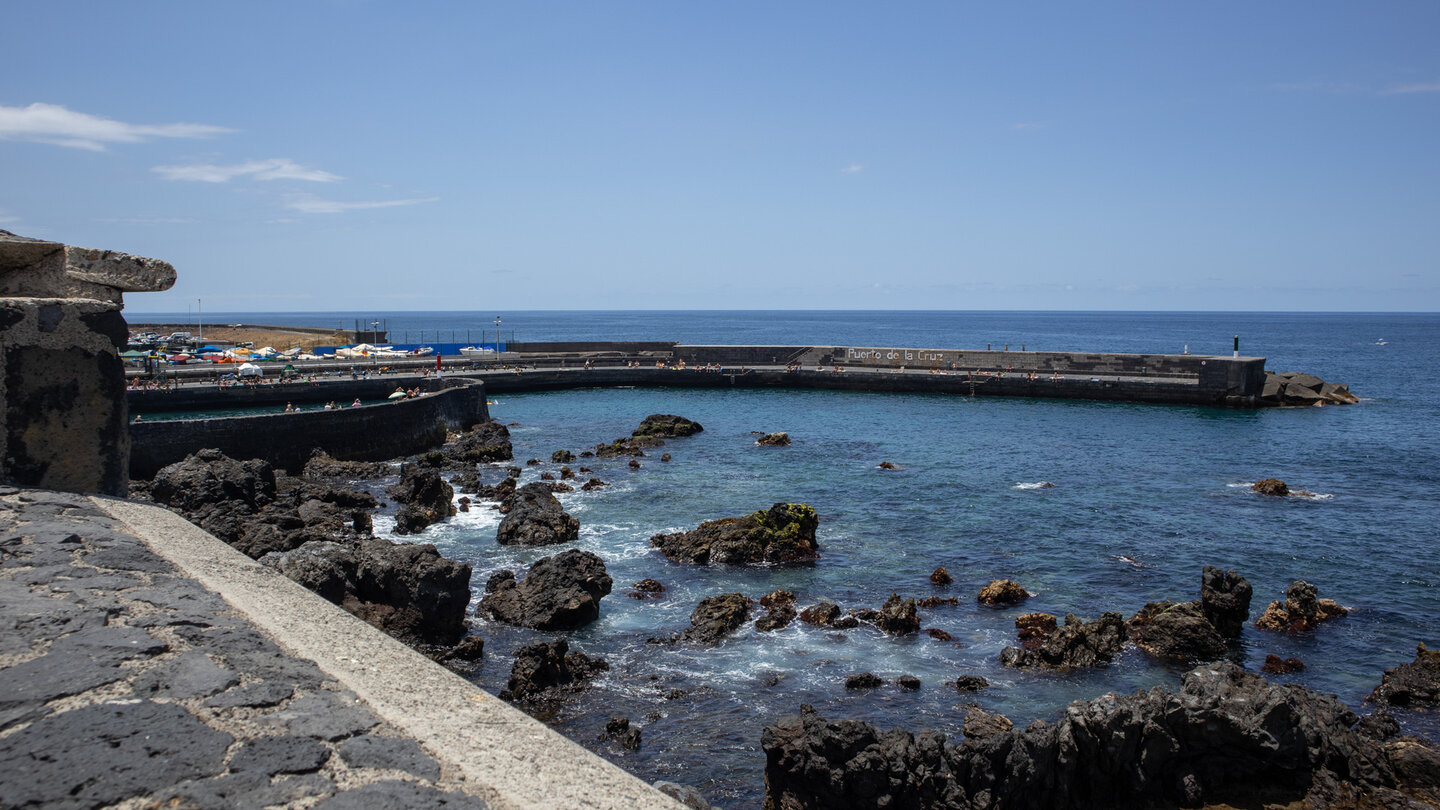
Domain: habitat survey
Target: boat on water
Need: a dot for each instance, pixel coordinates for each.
(423, 351)
(477, 351)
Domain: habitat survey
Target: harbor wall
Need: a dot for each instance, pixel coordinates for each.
(1171, 390)
(287, 440)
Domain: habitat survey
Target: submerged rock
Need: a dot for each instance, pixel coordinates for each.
(822, 614)
(619, 730)
(1416, 683)
(1225, 736)
(864, 680)
(1075, 644)
(1035, 627)
(543, 669)
(536, 518)
(784, 533)
(941, 577)
(1275, 665)
(561, 592)
(665, 426)
(774, 440)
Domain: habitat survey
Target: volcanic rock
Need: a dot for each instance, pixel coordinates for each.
(647, 589)
(545, 668)
(560, 592)
(625, 447)
(593, 483)
(1301, 610)
(486, 442)
(1416, 683)
(665, 426)
(1275, 665)
(215, 491)
(897, 616)
(562, 457)
(781, 607)
(1075, 644)
(774, 440)
(822, 614)
(1225, 600)
(716, 617)
(971, 683)
(785, 533)
(1226, 736)
(865, 680)
(1003, 592)
(1176, 632)
(619, 730)
(941, 577)
(1271, 486)
(408, 590)
(908, 682)
(536, 518)
(937, 601)
(424, 498)
(634, 465)
(938, 634)
(1035, 626)
(321, 465)
(980, 724)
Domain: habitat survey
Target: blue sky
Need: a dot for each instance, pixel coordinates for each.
(351, 155)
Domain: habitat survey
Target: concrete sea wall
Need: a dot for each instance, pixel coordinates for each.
(287, 440)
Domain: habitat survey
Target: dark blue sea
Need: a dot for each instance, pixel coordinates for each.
(1144, 496)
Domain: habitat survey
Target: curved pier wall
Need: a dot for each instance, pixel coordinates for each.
(1173, 391)
(287, 440)
(341, 390)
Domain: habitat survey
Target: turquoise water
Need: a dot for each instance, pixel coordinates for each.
(1144, 496)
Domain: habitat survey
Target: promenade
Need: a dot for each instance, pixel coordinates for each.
(144, 662)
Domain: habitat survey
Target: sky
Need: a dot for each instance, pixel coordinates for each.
(365, 155)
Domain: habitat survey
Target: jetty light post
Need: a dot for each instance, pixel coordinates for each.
(497, 334)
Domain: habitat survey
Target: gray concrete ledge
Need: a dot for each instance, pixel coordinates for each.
(515, 761)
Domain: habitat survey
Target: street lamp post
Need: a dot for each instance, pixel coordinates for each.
(497, 334)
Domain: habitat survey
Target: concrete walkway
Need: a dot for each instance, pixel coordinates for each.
(127, 680)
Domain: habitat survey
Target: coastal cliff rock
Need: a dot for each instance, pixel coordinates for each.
(666, 425)
(1302, 610)
(548, 670)
(407, 590)
(784, 533)
(1416, 683)
(486, 442)
(716, 617)
(1075, 644)
(1225, 736)
(425, 498)
(536, 518)
(1294, 388)
(561, 592)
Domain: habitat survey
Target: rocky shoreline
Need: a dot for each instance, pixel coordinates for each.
(317, 530)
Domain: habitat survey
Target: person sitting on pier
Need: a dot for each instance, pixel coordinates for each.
(289, 408)
(356, 403)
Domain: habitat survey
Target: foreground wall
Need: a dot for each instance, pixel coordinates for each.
(287, 440)
(62, 424)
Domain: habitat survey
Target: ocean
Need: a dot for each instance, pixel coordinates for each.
(1143, 497)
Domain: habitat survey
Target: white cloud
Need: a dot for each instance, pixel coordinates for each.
(272, 169)
(53, 124)
(310, 204)
(853, 168)
(1418, 87)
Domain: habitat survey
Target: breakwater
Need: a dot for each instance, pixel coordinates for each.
(370, 433)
